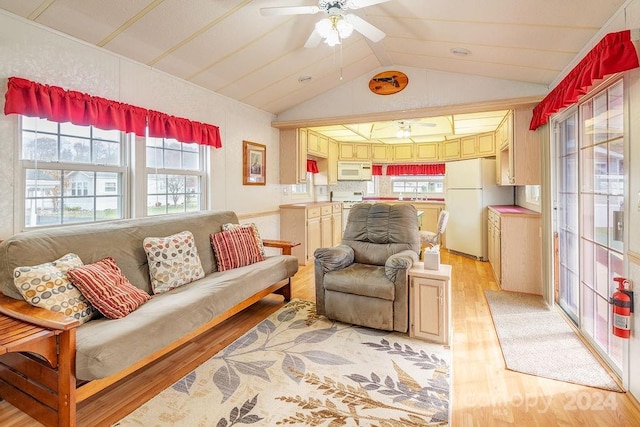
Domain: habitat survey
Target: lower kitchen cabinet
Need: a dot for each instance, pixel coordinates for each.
(515, 250)
(314, 225)
(429, 301)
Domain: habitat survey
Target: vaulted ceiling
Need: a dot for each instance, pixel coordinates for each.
(229, 47)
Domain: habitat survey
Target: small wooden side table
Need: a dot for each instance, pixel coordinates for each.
(429, 303)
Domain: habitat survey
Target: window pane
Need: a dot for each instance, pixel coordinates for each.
(78, 209)
(156, 205)
(616, 116)
(42, 147)
(172, 159)
(40, 125)
(600, 121)
(75, 150)
(74, 130)
(109, 135)
(106, 153)
(154, 157)
(601, 218)
(586, 264)
(588, 310)
(172, 144)
(191, 161)
(108, 208)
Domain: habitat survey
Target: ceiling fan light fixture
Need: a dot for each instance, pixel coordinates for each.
(345, 29)
(460, 51)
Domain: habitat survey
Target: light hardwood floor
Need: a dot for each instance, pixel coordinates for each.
(484, 392)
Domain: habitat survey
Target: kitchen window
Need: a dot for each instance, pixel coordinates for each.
(413, 186)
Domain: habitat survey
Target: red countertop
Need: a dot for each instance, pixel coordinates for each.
(513, 210)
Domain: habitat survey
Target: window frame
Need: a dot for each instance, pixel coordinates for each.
(26, 164)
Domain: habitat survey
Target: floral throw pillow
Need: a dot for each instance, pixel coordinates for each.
(235, 248)
(254, 229)
(47, 286)
(173, 261)
(107, 288)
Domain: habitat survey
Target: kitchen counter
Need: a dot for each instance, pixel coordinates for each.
(305, 205)
(504, 210)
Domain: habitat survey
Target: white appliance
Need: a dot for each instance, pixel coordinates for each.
(348, 199)
(354, 171)
(470, 188)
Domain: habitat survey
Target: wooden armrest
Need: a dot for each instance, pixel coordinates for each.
(285, 245)
(25, 312)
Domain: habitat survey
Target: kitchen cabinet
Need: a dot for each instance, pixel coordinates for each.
(493, 242)
(379, 153)
(450, 150)
(468, 146)
(519, 162)
(293, 156)
(515, 252)
(429, 301)
(427, 151)
(355, 151)
(486, 145)
(328, 168)
(402, 152)
(317, 145)
(314, 225)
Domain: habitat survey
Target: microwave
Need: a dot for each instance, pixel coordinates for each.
(354, 171)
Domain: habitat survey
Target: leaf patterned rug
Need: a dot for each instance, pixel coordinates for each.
(296, 368)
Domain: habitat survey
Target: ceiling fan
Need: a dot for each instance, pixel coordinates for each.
(338, 25)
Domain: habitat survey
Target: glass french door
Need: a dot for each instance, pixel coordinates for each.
(590, 176)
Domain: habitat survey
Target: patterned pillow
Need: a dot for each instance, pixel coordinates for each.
(173, 261)
(47, 286)
(107, 289)
(236, 247)
(254, 229)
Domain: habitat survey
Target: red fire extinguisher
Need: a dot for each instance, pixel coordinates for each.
(622, 301)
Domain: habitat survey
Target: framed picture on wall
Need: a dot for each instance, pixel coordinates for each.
(254, 163)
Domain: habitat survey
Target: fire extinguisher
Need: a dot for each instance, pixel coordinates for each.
(622, 301)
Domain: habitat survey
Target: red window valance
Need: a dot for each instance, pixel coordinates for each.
(57, 104)
(613, 54)
(376, 170)
(416, 169)
(312, 166)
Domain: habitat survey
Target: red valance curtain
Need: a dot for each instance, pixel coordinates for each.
(54, 103)
(57, 104)
(613, 54)
(416, 169)
(312, 166)
(376, 170)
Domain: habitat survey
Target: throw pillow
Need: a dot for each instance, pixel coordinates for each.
(173, 261)
(107, 288)
(235, 248)
(254, 229)
(47, 286)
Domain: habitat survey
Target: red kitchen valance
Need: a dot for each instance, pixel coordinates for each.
(613, 54)
(59, 105)
(416, 169)
(312, 166)
(376, 170)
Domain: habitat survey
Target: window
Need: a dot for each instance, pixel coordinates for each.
(175, 175)
(63, 168)
(418, 186)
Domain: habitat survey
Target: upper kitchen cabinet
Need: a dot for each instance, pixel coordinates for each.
(450, 149)
(481, 145)
(518, 159)
(355, 151)
(427, 151)
(379, 153)
(293, 151)
(328, 168)
(317, 145)
(402, 152)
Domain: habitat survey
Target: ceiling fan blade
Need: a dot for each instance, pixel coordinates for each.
(363, 27)
(291, 10)
(359, 4)
(314, 39)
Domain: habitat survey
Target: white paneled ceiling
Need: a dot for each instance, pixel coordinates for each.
(229, 47)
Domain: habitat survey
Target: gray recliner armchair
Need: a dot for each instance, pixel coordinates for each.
(363, 281)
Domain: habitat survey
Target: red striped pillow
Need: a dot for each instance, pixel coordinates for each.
(236, 247)
(107, 289)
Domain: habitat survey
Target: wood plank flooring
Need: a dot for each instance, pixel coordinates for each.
(484, 392)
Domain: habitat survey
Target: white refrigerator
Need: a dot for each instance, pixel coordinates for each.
(470, 188)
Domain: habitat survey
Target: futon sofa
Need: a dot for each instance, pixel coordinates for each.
(102, 350)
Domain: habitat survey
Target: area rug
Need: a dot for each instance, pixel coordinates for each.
(537, 340)
(296, 368)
